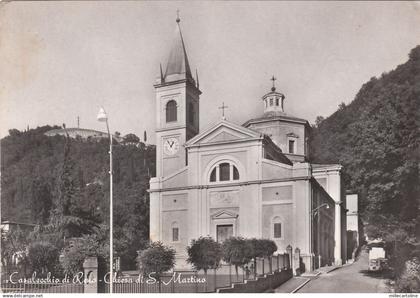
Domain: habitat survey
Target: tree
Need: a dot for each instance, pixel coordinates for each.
(204, 253)
(74, 255)
(131, 138)
(14, 132)
(13, 243)
(341, 106)
(70, 217)
(268, 247)
(236, 252)
(319, 120)
(256, 250)
(156, 259)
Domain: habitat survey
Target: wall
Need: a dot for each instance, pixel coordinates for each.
(277, 200)
(323, 225)
(262, 284)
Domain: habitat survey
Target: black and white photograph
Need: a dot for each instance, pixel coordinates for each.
(160, 147)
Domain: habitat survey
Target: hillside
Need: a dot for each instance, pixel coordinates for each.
(42, 175)
(376, 138)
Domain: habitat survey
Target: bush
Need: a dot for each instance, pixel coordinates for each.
(43, 257)
(409, 281)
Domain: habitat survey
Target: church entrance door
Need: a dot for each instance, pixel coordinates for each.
(224, 232)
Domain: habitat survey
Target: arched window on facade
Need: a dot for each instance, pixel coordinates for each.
(171, 111)
(277, 228)
(277, 101)
(224, 171)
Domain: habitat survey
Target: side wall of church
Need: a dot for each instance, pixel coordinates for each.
(329, 177)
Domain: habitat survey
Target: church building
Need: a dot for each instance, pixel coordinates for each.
(249, 180)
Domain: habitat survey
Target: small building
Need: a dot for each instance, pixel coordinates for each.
(83, 133)
(8, 226)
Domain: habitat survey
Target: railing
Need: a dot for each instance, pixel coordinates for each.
(41, 288)
(199, 282)
(173, 282)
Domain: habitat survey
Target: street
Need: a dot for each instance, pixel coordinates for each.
(352, 278)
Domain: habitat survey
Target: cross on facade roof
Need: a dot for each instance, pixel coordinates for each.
(223, 107)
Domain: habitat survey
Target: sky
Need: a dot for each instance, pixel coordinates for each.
(62, 60)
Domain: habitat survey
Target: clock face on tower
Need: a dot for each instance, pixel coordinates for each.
(171, 146)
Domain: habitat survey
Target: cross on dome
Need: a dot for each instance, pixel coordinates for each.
(274, 87)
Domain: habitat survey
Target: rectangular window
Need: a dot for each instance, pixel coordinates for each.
(175, 234)
(224, 232)
(291, 146)
(224, 169)
(277, 230)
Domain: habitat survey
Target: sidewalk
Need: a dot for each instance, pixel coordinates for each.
(292, 285)
(297, 282)
(322, 270)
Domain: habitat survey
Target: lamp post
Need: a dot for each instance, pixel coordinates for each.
(314, 212)
(103, 117)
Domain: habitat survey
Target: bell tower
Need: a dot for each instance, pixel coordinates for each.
(177, 108)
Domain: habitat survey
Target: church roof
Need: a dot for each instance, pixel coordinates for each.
(275, 115)
(178, 66)
(316, 166)
(224, 131)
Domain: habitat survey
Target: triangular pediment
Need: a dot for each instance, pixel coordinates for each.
(223, 132)
(224, 214)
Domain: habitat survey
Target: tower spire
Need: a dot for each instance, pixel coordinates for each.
(178, 67)
(161, 72)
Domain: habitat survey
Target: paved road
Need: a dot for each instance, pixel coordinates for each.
(352, 278)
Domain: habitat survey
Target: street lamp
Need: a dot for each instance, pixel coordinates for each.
(315, 210)
(102, 117)
(313, 213)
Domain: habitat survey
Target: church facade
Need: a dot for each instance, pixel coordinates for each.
(250, 180)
